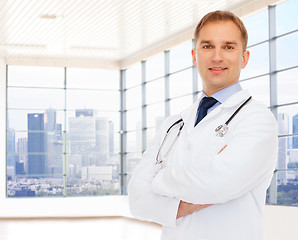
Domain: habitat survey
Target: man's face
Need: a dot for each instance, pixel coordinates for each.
(219, 55)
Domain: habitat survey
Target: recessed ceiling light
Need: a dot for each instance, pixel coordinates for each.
(48, 16)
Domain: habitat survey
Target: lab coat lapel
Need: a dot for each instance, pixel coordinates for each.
(189, 115)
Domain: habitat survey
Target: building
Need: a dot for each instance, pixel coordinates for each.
(54, 144)
(283, 128)
(89, 139)
(103, 173)
(22, 148)
(295, 131)
(11, 157)
(37, 145)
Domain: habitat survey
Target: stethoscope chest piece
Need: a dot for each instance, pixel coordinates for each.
(221, 130)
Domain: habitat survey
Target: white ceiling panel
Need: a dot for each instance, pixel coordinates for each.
(102, 33)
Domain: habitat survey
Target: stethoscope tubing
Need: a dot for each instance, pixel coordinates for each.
(180, 128)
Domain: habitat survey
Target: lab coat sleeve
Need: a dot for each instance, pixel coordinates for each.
(143, 202)
(248, 160)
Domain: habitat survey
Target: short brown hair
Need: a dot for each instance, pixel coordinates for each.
(218, 16)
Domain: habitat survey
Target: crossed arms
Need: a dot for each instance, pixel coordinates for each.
(162, 195)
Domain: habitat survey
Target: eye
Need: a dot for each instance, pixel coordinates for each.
(229, 47)
(207, 46)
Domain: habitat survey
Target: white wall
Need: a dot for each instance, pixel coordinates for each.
(281, 222)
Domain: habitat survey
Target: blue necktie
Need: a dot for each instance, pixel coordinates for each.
(206, 103)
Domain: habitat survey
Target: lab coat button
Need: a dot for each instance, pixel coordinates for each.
(188, 146)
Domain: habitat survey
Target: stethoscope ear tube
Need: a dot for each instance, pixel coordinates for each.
(175, 123)
(238, 109)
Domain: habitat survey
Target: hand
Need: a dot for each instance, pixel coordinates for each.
(156, 168)
(186, 208)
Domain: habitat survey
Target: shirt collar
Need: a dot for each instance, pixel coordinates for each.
(223, 94)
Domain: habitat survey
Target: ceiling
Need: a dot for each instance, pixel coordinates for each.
(102, 33)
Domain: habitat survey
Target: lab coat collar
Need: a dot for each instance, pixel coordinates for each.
(189, 114)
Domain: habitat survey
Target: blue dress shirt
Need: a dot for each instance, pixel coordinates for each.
(222, 95)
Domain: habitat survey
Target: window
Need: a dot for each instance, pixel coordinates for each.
(62, 133)
(67, 121)
(286, 176)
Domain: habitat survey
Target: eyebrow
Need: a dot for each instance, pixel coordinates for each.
(231, 43)
(210, 42)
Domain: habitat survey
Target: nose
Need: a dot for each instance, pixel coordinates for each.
(217, 55)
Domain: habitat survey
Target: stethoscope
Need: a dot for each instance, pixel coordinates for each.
(220, 131)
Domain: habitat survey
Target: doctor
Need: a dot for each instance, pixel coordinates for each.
(202, 184)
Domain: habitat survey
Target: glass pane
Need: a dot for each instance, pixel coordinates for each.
(287, 85)
(134, 141)
(155, 91)
(92, 78)
(259, 89)
(180, 57)
(151, 132)
(155, 67)
(91, 178)
(133, 97)
(292, 161)
(93, 99)
(286, 17)
(257, 27)
(287, 191)
(181, 83)
(35, 76)
(89, 134)
(288, 149)
(24, 186)
(114, 148)
(34, 164)
(155, 114)
(113, 118)
(132, 160)
(18, 119)
(177, 105)
(286, 47)
(258, 63)
(134, 119)
(32, 98)
(287, 117)
(76, 161)
(133, 76)
(294, 140)
(34, 142)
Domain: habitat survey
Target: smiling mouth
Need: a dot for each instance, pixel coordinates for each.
(217, 68)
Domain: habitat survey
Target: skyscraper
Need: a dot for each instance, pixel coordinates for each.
(11, 148)
(111, 138)
(295, 130)
(85, 113)
(22, 148)
(283, 128)
(89, 138)
(36, 144)
(54, 143)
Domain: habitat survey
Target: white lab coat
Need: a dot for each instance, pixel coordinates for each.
(234, 180)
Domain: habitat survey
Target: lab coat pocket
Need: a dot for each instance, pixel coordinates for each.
(219, 144)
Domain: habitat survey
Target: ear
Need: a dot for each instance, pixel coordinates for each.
(194, 58)
(245, 58)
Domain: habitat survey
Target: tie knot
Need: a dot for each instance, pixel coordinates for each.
(207, 102)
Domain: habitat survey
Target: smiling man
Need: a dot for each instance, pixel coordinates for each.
(205, 175)
(220, 54)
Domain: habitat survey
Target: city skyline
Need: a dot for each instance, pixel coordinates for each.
(89, 150)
